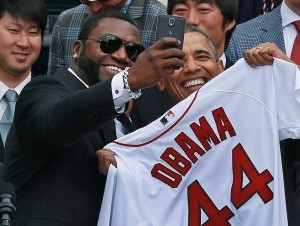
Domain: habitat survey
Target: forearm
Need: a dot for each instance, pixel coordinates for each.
(48, 113)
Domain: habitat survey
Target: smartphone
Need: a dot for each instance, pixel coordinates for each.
(170, 26)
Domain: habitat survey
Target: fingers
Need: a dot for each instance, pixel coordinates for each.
(167, 42)
(106, 157)
(260, 55)
(155, 63)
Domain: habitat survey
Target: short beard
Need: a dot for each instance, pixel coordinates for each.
(89, 67)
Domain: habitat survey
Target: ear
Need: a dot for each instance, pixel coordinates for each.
(77, 48)
(161, 85)
(220, 66)
(230, 25)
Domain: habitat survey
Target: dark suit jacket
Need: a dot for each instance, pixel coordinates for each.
(51, 160)
(150, 106)
(253, 8)
(229, 63)
(1, 150)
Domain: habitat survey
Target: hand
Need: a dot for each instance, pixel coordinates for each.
(105, 158)
(264, 54)
(155, 63)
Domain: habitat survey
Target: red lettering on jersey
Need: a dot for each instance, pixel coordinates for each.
(189, 146)
(176, 161)
(223, 124)
(204, 133)
(258, 182)
(198, 199)
(166, 175)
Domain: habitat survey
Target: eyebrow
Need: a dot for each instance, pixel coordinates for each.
(201, 51)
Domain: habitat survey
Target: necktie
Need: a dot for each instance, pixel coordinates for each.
(295, 56)
(8, 115)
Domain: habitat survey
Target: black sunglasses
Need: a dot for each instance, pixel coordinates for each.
(111, 43)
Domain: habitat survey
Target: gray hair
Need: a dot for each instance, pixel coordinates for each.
(209, 40)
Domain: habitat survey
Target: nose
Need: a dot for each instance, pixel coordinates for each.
(191, 65)
(121, 55)
(192, 18)
(23, 40)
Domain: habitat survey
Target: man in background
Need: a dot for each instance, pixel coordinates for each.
(69, 23)
(21, 32)
(215, 17)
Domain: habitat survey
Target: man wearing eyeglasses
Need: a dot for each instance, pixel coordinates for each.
(63, 119)
(67, 27)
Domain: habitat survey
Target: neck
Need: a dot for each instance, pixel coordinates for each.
(81, 74)
(12, 81)
(295, 7)
(121, 4)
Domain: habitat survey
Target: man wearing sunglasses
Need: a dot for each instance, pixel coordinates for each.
(63, 119)
(67, 27)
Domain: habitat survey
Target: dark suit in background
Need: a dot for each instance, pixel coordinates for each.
(248, 9)
(51, 156)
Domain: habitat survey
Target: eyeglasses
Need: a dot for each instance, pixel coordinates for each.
(111, 43)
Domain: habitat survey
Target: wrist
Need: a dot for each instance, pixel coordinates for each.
(132, 94)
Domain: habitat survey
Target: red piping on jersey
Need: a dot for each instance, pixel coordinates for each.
(160, 135)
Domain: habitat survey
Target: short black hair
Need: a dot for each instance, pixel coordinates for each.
(32, 10)
(228, 8)
(210, 41)
(92, 22)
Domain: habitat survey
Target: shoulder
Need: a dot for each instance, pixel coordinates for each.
(43, 82)
(75, 11)
(146, 7)
(258, 23)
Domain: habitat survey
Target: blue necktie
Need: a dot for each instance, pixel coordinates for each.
(8, 115)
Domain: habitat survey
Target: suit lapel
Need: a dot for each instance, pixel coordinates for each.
(108, 132)
(272, 29)
(70, 79)
(1, 150)
(229, 63)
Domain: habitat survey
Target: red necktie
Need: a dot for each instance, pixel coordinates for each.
(295, 56)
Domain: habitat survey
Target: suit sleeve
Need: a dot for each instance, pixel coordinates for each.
(49, 114)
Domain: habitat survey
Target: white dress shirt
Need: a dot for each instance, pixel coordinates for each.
(289, 30)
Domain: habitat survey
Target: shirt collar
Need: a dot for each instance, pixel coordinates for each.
(86, 85)
(125, 7)
(223, 58)
(288, 16)
(18, 88)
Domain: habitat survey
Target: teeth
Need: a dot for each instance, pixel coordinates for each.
(113, 68)
(194, 83)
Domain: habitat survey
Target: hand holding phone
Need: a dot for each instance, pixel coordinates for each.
(170, 26)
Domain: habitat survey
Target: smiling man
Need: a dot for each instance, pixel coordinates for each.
(21, 31)
(201, 65)
(70, 21)
(215, 17)
(63, 119)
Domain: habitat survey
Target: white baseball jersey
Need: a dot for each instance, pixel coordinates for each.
(213, 159)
